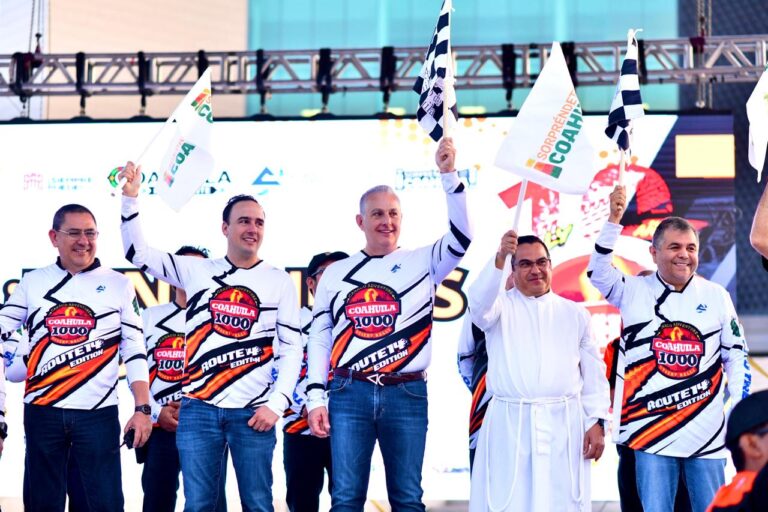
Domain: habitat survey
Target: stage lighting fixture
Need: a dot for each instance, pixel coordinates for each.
(324, 78)
(387, 74)
(508, 71)
(202, 63)
(569, 52)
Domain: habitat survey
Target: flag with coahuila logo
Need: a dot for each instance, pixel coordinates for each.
(180, 154)
(757, 113)
(547, 143)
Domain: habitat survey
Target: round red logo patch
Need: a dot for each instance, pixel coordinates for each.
(70, 323)
(678, 349)
(373, 309)
(169, 357)
(234, 310)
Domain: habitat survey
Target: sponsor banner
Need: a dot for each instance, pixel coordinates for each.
(309, 176)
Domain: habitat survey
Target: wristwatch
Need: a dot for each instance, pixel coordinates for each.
(601, 422)
(144, 409)
(3, 429)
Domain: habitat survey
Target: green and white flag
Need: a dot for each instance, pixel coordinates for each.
(181, 151)
(757, 113)
(547, 143)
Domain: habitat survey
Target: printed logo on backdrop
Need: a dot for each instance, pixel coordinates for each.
(35, 181)
(267, 180)
(407, 179)
(211, 186)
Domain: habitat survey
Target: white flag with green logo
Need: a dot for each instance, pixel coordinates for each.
(181, 153)
(757, 113)
(547, 143)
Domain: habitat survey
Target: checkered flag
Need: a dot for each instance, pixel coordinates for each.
(435, 83)
(627, 104)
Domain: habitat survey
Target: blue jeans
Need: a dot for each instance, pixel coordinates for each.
(92, 437)
(657, 478)
(160, 477)
(396, 416)
(202, 437)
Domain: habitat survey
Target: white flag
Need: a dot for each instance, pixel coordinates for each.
(757, 113)
(547, 143)
(181, 153)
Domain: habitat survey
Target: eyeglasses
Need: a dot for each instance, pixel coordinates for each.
(542, 263)
(75, 234)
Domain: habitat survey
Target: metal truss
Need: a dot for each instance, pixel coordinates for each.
(669, 61)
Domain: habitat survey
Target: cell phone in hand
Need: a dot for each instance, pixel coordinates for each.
(128, 438)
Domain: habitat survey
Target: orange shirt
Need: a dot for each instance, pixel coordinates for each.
(747, 491)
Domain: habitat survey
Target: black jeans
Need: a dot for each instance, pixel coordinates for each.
(160, 476)
(92, 437)
(306, 458)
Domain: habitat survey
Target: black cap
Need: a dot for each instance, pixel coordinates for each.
(751, 412)
(322, 258)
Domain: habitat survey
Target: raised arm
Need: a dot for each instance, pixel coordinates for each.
(162, 265)
(484, 304)
(601, 272)
(448, 251)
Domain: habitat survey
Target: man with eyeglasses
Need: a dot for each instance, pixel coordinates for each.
(80, 318)
(241, 313)
(747, 440)
(681, 345)
(306, 458)
(548, 386)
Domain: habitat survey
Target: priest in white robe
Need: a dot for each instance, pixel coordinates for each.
(550, 394)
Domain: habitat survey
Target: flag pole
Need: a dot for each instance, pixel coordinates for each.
(520, 201)
(622, 166)
(515, 224)
(118, 190)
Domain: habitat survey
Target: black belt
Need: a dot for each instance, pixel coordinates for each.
(380, 379)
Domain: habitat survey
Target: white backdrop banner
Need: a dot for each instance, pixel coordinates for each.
(309, 176)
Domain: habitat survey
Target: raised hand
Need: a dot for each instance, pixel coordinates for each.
(132, 175)
(445, 156)
(508, 245)
(618, 200)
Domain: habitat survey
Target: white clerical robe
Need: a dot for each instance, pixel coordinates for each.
(549, 387)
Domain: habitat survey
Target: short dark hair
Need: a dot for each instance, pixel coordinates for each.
(676, 223)
(190, 250)
(739, 461)
(61, 213)
(232, 202)
(530, 239)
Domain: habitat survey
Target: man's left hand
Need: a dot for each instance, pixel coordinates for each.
(594, 442)
(263, 419)
(142, 425)
(445, 157)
